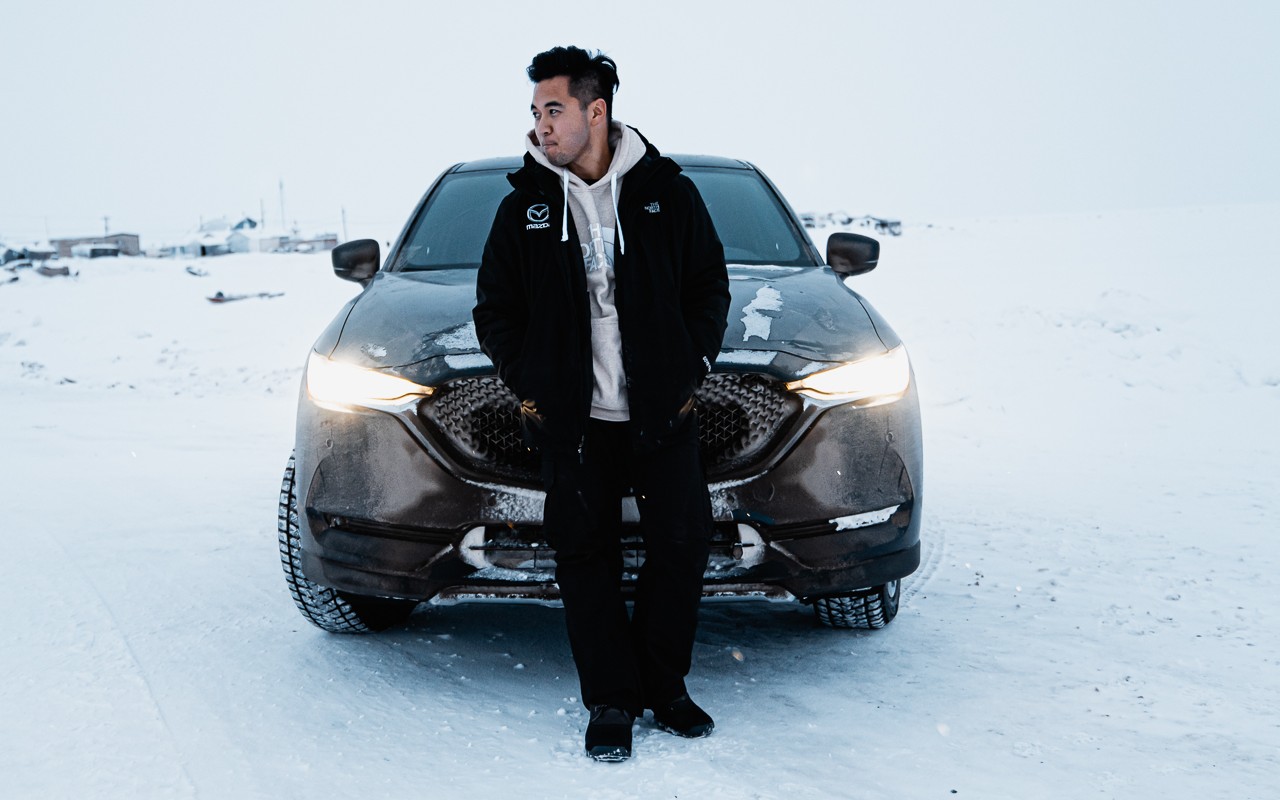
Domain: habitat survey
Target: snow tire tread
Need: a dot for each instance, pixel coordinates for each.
(866, 609)
(325, 608)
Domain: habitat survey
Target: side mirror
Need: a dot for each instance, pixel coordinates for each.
(851, 253)
(357, 261)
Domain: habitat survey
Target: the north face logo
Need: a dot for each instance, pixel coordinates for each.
(652, 208)
(538, 213)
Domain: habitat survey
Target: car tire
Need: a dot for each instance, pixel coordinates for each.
(329, 609)
(864, 609)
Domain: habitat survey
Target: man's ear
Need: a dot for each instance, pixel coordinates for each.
(597, 111)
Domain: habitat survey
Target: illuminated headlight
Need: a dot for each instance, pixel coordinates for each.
(871, 381)
(333, 383)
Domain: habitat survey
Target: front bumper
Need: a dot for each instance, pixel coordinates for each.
(835, 509)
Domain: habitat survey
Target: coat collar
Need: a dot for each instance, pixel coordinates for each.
(653, 169)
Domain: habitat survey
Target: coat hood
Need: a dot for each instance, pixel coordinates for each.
(537, 178)
(628, 148)
(627, 144)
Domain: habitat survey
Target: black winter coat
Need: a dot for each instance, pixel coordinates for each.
(671, 292)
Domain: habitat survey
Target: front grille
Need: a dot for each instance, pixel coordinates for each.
(480, 420)
(525, 549)
(739, 415)
(739, 418)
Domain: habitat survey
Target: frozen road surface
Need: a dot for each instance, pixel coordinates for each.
(1095, 616)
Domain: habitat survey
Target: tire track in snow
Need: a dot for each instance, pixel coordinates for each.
(114, 622)
(933, 550)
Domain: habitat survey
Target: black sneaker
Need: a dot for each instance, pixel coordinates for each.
(683, 717)
(609, 733)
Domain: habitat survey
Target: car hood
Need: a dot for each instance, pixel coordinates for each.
(781, 317)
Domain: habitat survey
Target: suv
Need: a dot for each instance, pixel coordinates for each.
(410, 481)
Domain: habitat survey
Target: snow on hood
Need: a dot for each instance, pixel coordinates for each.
(413, 320)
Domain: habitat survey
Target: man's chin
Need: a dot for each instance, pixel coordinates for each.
(559, 158)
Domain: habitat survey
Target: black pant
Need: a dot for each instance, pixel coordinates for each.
(638, 663)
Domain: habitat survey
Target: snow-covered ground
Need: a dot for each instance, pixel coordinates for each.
(1095, 615)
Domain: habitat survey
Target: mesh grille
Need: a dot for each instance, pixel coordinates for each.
(480, 419)
(739, 416)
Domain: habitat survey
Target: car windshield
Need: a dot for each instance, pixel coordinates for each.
(751, 222)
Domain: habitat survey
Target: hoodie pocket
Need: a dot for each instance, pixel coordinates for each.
(609, 389)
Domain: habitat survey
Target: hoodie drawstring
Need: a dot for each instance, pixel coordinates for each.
(564, 216)
(617, 218)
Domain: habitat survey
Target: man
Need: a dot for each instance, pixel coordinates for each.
(602, 298)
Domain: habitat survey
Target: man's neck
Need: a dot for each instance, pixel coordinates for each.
(594, 163)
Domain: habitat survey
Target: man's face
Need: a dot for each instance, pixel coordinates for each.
(559, 121)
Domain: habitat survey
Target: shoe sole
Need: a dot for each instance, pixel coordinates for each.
(696, 732)
(609, 754)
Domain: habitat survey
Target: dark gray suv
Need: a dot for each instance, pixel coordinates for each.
(410, 481)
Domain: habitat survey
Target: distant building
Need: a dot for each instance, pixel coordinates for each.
(220, 236)
(212, 243)
(210, 239)
(311, 244)
(128, 244)
(250, 236)
(840, 219)
(95, 250)
(35, 252)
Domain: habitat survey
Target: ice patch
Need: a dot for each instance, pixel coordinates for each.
(757, 324)
(468, 360)
(746, 356)
(761, 268)
(723, 501)
(863, 520)
(462, 337)
(513, 503)
(491, 573)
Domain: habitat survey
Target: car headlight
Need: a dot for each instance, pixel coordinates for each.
(871, 381)
(334, 383)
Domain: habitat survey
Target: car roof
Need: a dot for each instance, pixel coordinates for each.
(509, 163)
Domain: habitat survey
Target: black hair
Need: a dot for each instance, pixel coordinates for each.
(591, 76)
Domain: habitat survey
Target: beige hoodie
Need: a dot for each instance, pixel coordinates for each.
(595, 213)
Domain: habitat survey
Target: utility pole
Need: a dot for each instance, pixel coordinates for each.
(106, 227)
(283, 223)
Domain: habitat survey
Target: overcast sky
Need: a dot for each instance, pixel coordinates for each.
(159, 113)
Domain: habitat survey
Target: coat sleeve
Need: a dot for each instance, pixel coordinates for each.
(501, 312)
(704, 289)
